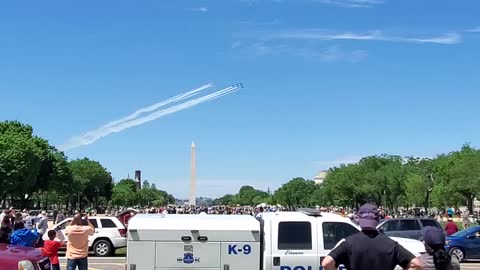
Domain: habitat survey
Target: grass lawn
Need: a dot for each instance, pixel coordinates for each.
(121, 252)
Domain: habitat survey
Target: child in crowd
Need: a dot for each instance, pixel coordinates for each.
(50, 248)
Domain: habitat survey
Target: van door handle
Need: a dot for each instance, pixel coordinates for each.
(276, 261)
(202, 238)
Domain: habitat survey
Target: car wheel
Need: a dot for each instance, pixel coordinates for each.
(102, 248)
(459, 253)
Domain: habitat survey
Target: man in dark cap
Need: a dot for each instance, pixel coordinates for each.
(370, 249)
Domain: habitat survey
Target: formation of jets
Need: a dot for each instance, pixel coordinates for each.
(239, 85)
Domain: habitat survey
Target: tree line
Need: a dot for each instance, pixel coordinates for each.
(34, 173)
(447, 180)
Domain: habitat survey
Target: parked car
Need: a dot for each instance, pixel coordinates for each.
(22, 258)
(109, 235)
(465, 244)
(406, 227)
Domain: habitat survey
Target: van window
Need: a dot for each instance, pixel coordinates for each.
(408, 225)
(107, 223)
(294, 235)
(333, 232)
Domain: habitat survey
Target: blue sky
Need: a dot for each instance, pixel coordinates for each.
(325, 81)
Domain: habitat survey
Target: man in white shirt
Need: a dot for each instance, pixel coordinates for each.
(42, 226)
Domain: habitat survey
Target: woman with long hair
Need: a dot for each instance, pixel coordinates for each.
(5, 230)
(437, 258)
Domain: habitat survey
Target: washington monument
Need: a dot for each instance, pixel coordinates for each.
(193, 184)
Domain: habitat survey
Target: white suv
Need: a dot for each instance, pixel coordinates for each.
(109, 235)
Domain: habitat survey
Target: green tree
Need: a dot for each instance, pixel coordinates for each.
(465, 174)
(28, 164)
(246, 194)
(224, 200)
(296, 193)
(124, 193)
(415, 190)
(91, 179)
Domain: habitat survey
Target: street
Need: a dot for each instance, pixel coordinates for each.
(98, 263)
(118, 263)
(470, 265)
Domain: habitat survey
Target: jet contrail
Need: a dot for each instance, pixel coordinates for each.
(160, 104)
(124, 123)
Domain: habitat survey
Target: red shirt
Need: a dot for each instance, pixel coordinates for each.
(451, 228)
(50, 248)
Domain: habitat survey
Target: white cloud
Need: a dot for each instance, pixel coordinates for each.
(200, 9)
(322, 35)
(474, 30)
(327, 164)
(339, 3)
(352, 3)
(308, 52)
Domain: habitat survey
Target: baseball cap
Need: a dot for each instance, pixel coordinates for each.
(433, 236)
(368, 217)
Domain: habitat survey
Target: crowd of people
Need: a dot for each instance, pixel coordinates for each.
(27, 229)
(23, 228)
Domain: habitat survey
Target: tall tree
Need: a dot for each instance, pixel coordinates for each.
(91, 179)
(28, 164)
(296, 193)
(465, 174)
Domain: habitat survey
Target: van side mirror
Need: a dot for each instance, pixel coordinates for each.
(381, 230)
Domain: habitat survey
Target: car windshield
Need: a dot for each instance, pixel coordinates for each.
(466, 232)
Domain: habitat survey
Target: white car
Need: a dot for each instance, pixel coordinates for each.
(109, 235)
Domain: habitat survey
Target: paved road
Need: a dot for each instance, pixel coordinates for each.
(94, 263)
(470, 266)
(118, 263)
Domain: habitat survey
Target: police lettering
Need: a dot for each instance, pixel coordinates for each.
(234, 249)
(295, 268)
(305, 268)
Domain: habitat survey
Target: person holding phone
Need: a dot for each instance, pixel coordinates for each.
(77, 234)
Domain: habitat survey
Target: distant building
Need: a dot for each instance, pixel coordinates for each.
(138, 179)
(182, 202)
(201, 201)
(320, 177)
(204, 201)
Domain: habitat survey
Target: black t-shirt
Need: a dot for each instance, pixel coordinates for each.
(370, 250)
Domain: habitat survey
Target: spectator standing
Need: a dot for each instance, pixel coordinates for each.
(369, 249)
(18, 218)
(6, 230)
(436, 258)
(3, 214)
(60, 217)
(54, 215)
(465, 221)
(30, 221)
(451, 227)
(77, 245)
(23, 236)
(50, 249)
(42, 227)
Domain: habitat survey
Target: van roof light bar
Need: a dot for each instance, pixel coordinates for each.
(310, 212)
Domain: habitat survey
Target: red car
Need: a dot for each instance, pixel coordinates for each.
(22, 258)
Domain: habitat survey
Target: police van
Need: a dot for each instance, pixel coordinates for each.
(272, 241)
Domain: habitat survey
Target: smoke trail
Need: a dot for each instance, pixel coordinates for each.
(160, 104)
(92, 136)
